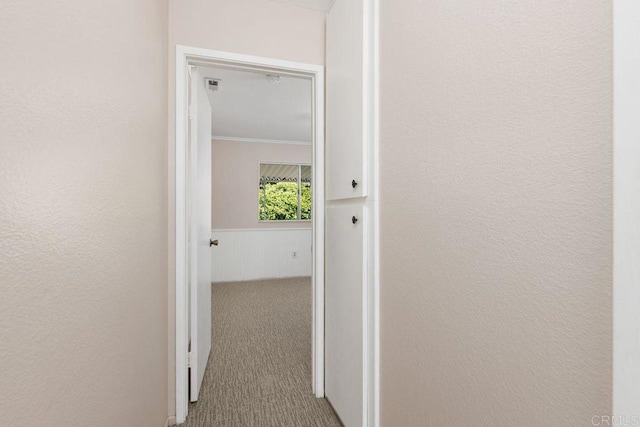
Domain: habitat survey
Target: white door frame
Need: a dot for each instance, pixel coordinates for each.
(626, 208)
(186, 56)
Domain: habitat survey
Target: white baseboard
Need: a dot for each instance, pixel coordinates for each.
(254, 254)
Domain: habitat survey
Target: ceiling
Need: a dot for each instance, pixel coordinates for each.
(323, 5)
(247, 106)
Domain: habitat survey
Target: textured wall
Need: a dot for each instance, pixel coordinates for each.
(496, 212)
(83, 234)
(250, 27)
(234, 173)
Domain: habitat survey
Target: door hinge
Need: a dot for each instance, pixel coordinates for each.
(189, 360)
(192, 111)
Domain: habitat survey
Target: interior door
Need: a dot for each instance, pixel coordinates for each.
(347, 90)
(200, 230)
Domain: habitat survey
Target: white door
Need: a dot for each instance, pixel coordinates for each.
(348, 141)
(345, 242)
(200, 231)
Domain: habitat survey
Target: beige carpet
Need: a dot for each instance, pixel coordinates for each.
(259, 371)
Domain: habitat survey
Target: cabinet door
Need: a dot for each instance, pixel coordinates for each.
(348, 88)
(344, 290)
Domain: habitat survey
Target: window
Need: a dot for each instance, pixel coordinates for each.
(284, 192)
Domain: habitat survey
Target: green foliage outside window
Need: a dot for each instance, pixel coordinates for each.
(305, 201)
(279, 201)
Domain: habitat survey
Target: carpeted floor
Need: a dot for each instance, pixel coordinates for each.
(259, 371)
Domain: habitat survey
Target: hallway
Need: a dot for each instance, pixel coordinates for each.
(259, 373)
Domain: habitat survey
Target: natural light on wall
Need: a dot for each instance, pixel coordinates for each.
(284, 192)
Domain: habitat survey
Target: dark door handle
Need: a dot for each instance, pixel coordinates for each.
(213, 242)
(354, 184)
(354, 219)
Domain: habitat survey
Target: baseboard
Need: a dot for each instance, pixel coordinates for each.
(171, 421)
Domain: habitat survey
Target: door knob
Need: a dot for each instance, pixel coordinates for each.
(213, 242)
(354, 219)
(354, 184)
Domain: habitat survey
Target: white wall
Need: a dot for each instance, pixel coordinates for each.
(252, 27)
(83, 220)
(626, 292)
(261, 254)
(496, 212)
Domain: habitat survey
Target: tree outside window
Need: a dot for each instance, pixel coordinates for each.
(284, 192)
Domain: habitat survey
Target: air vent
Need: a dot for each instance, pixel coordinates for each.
(212, 84)
(273, 78)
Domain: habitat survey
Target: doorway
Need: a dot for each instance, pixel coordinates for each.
(186, 57)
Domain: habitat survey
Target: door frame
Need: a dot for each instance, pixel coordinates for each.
(186, 56)
(626, 208)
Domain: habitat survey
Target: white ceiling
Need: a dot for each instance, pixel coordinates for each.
(323, 5)
(247, 106)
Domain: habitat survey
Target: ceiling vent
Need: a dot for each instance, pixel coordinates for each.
(212, 84)
(273, 78)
